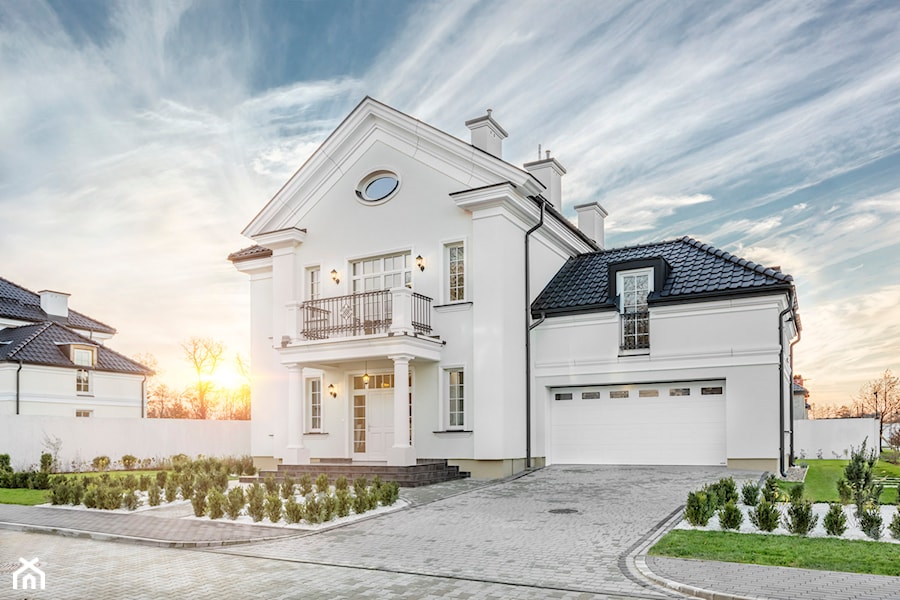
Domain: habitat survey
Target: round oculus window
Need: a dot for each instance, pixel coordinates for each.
(378, 187)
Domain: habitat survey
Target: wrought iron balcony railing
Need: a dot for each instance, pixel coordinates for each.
(366, 313)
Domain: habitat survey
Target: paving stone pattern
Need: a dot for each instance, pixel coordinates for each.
(776, 583)
(505, 533)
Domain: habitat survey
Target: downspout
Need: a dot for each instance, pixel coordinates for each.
(143, 397)
(781, 431)
(528, 328)
(18, 377)
(792, 390)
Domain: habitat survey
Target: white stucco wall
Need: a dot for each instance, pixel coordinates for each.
(832, 438)
(51, 391)
(23, 437)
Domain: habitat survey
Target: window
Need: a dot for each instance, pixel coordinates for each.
(618, 394)
(313, 279)
(711, 391)
(83, 381)
(590, 395)
(382, 273)
(648, 393)
(377, 187)
(456, 396)
(564, 396)
(456, 273)
(679, 391)
(315, 404)
(633, 288)
(81, 412)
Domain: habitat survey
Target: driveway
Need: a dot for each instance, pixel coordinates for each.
(561, 532)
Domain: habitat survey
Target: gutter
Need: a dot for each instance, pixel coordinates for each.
(528, 328)
(781, 429)
(18, 384)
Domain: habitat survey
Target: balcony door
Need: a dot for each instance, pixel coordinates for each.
(381, 273)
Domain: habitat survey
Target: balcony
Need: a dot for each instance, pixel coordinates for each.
(635, 330)
(369, 313)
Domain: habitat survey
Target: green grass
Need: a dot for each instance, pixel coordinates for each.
(822, 477)
(22, 496)
(852, 556)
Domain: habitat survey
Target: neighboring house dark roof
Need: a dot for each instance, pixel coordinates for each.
(249, 253)
(799, 389)
(42, 344)
(695, 271)
(21, 304)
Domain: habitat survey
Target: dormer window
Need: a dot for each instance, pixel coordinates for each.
(634, 287)
(83, 357)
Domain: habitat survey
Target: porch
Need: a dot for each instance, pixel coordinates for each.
(424, 472)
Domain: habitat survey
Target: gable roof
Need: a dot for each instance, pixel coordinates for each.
(41, 344)
(249, 253)
(695, 271)
(22, 304)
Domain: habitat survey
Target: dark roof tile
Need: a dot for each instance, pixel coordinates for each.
(21, 304)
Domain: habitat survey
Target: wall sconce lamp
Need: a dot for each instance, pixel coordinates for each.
(334, 276)
(366, 376)
(331, 391)
(420, 262)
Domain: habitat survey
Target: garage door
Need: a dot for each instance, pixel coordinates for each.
(677, 423)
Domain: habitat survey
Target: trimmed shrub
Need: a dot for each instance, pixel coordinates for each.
(130, 500)
(730, 516)
(870, 521)
(76, 490)
(858, 485)
(216, 502)
(247, 467)
(389, 493)
(799, 518)
(305, 484)
(343, 502)
(312, 509)
(198, 501)
(46, 462)
(144, 483)
(129, 461)
(130, 482)
(287, 487)
(293, 511)
(186, 479)
(894, 527)
(271, 484)
(360, 484)
(835, 520)
(91, 498)
(770, 491)
(100, 463)
(273, 507)
(796, 493)
(765, 515)
(256, 502)
(235, 502)
(154, 494)
(329, 506)
(341, 483)
(322, 483)
(376, 484)
(171, 490)
(750, 494)
(161, 478)
(361, 501)
(59, 491)
(700, 507)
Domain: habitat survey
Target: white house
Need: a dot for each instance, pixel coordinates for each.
(53, 360)
(398, 314)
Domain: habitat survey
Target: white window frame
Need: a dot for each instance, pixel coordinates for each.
(84, 413)
(315, 398)
(622, 308)
(448, 288)
(84, 386)
(312, 282)
(447, 411)
(358, 276)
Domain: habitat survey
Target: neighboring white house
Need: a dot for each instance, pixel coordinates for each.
(53, 361)
(392, 284)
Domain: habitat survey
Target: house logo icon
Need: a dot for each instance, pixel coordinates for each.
(28, 575)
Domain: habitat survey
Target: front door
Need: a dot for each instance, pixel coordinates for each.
(373, 426)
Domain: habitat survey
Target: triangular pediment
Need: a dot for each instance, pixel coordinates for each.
(371, 123)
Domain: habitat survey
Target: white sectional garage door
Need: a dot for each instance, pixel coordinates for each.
(677, 423)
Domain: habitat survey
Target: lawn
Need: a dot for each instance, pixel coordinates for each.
(822, 477)
(852, 556)
(23, 496)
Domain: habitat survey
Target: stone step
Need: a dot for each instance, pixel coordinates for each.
(426, 472)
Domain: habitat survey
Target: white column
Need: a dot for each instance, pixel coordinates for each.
(296, 454)
(402, 453)
(401, 307)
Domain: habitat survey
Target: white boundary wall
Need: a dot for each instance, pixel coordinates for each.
(23, 436)
(833, 437)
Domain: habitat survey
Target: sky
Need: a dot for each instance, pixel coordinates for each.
(138, 139)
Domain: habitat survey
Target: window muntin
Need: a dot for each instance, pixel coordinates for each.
(313, 283)
(711, 391)
(83, 381)
(679, 391)
(315, 404)
(456, 397)
(83, 357)
(564, 396)
(590, 395)
(83, 412)
(381, 273)
(456, 273)
(359, 422)
(618, 394)
(634, 288)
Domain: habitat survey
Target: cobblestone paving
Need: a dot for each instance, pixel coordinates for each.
(506, 533)
(776, 583)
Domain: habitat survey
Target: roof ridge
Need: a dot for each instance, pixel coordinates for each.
(42, 327)
(633, 246)
(741, 262)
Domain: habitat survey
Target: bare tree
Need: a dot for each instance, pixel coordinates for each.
(235, 400)
(204, 355)
(165, 403)
(881, 398)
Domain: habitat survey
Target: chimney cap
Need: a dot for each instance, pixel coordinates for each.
(488, 120)
(53, 292)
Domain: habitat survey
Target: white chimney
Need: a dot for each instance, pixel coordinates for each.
(487, 134)
(590, 221)
(549, 172)
(55, 304)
